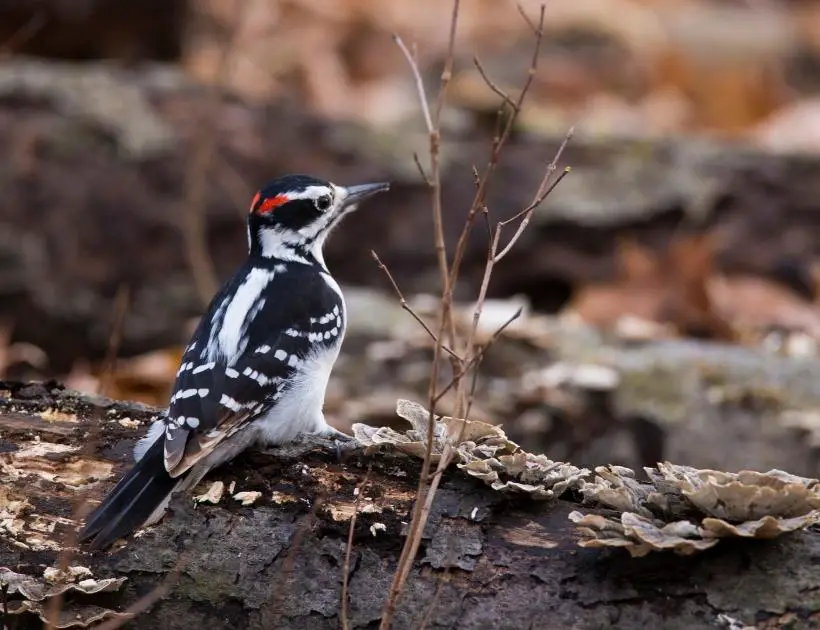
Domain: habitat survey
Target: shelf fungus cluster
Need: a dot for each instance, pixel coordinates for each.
(37, 593)
(679, 508)
(481, 450)
(687, 510)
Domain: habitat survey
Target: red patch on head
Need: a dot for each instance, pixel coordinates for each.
(255, 200)
(271, 203)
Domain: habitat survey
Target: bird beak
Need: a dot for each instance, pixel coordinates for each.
(357, 194)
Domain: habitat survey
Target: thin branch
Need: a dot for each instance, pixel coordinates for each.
(533, 205)
(407, 307)
(498, 145)
(527, 214)
(445, 577)
(424, 175)
(474, 383)
(535, 28)
(279, 585)
(493, 86)
(428, 484)
(79, 511)
(346, 568)
(198, 176)
(425, 108)
(82, 507)
(476, 358)
(121, 302)
(486, 214)
(446, 322)
(152, 597)
(460, 392)
(27, 30)
(447, 74)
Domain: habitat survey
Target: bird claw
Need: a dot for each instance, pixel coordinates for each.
(340, 442)
(334, 441)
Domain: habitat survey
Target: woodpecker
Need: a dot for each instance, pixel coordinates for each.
(257, 367)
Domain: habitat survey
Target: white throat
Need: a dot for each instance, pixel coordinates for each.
(284, 246)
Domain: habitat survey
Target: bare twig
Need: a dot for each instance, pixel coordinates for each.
(425, 108)
(348, 550)
(152, 597)
(446, 322)
(424, 175)
(26, 31)
(198, 176)
(279, 586)
(82, 506)
(478, 356)
(493, 86)
(474, 382)
(526, 213)
(535, 28)
(447, 74)
(445, 577)
(121, 303)
(544, 189)
(80, 510)
(469, 359)
(535, 203)
(499, 141)
(406, 306)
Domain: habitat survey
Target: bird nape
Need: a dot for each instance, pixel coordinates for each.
(256, 369)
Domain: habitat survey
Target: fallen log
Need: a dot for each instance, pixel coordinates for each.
(489, 559)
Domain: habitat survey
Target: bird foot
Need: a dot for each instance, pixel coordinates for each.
(333, 440)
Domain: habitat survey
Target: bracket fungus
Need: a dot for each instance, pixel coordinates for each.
(686, 510)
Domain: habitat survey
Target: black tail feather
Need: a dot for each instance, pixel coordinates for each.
(132, 501)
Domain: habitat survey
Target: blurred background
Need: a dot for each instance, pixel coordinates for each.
(669, 285)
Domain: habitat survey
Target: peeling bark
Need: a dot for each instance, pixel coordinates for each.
(487, 561)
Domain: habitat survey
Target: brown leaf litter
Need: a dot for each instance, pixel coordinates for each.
(681, 291)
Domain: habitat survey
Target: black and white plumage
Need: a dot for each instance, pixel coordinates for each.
(257, 366)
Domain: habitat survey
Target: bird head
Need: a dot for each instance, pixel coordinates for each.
(291, 217)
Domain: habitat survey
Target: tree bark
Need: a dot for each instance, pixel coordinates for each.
(487, 561)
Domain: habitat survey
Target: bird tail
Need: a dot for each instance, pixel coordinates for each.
(139, 495)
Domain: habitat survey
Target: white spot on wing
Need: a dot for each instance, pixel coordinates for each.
(230, 403)
(203, 368)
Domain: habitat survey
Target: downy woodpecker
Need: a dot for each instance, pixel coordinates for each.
(257, 366)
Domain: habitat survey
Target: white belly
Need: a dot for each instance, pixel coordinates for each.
(299, 410)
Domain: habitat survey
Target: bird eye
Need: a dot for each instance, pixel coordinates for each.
(323, 203)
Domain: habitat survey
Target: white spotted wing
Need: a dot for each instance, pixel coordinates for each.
(221, 388)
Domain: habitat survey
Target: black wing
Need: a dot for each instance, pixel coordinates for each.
(214, 394)
(306, 312)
